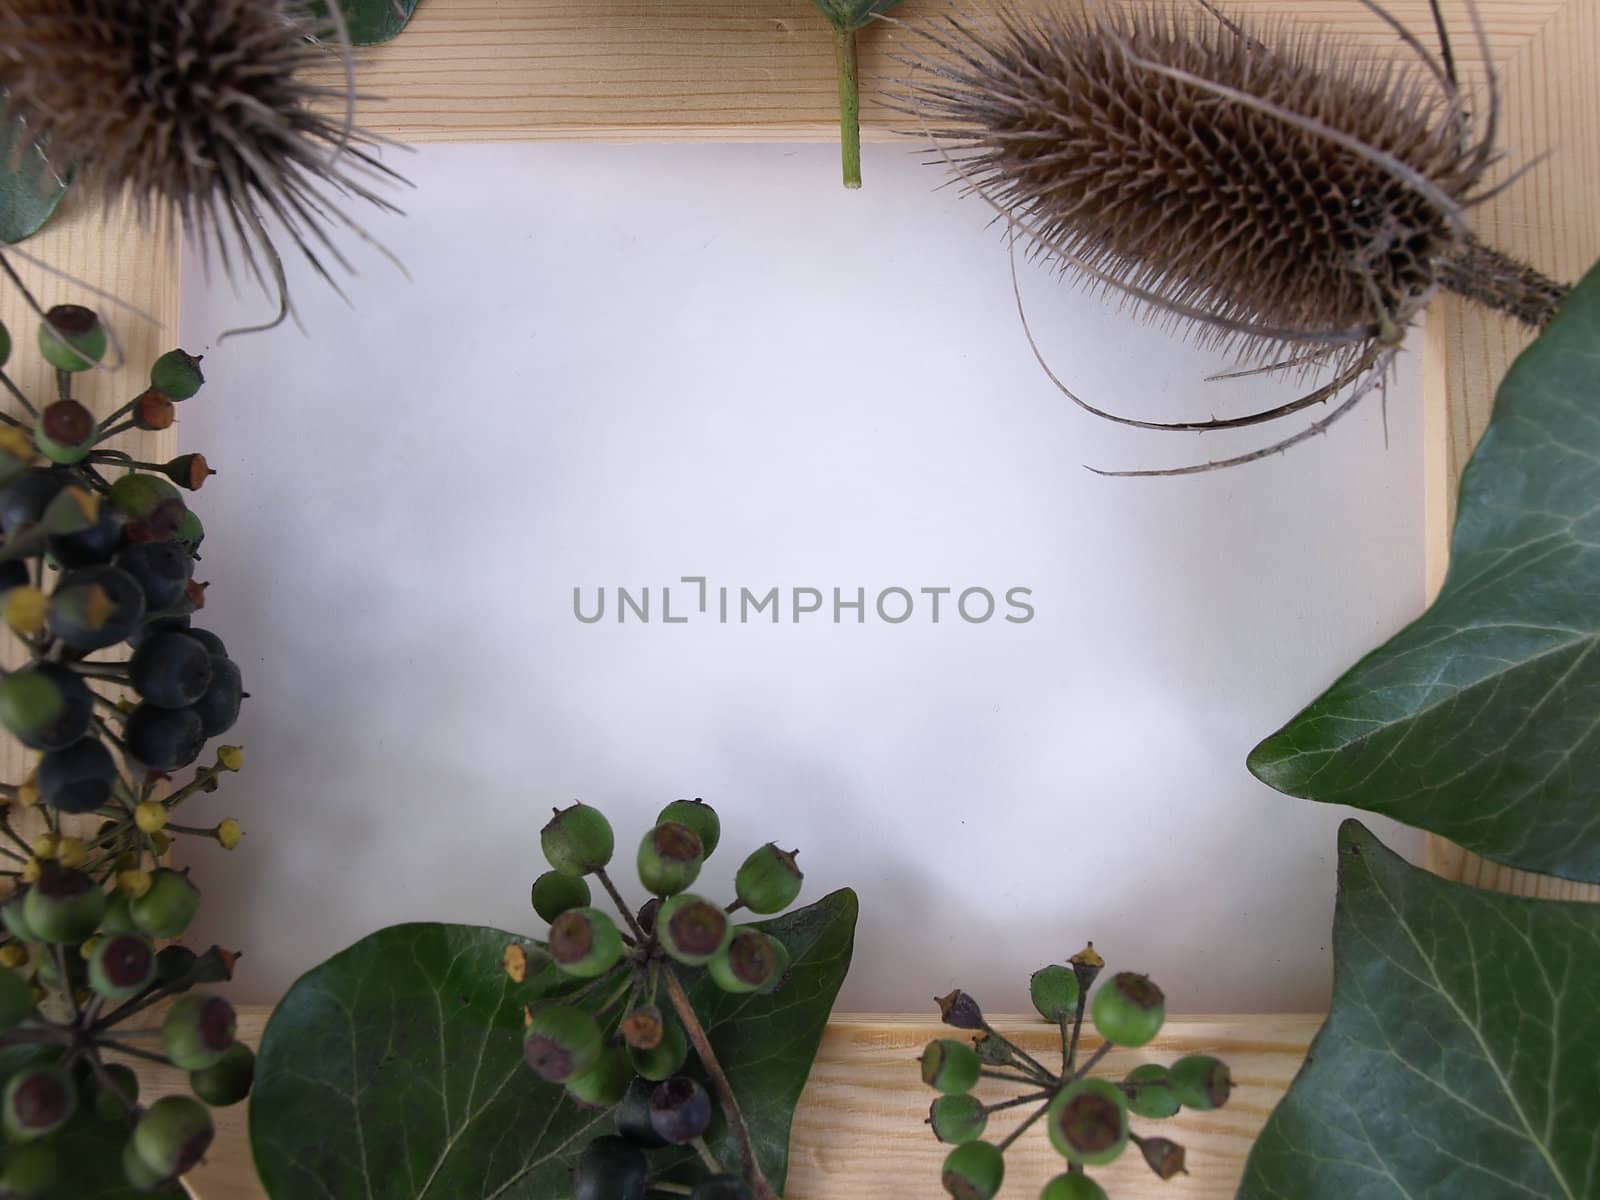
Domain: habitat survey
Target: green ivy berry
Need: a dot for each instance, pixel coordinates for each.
(167, 908)
(578, 840)
(30, 1171)
(1088, 1122)
(752, 961)
(973, 1171)
(37, 1101)
(768, 881)
(1202, 1082)
(698, 816)
(71, 338)
(63, 905)
(14, 916)
(1054, 990)
(605, 1082)
(117, 1093)
(65, 431)
(122, 965)
(692, 930)
(1129, 1009)
(561, 1042)
(118, 918)
(957, 1119)
(669, 858)
(134, 1170)
(666, 1057)
(584, 943)
(46, 707)
(1072, 1187)
(1153, 1095)
(722, 1187)
(554, 893)
(680, 1110)
(197, 1031)
(950, 1066)
(16, 1000)
(228, 1080)
(610, 1168)
(176, 375)
(173, 1135)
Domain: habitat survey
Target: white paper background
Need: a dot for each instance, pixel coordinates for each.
(622, 365)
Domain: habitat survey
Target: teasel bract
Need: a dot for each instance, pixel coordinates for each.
(1261, 184)
(200, 115)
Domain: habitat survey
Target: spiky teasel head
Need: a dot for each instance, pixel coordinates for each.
(1260, 183)
(198, 112)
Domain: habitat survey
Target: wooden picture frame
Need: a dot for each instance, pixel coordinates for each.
(762, 70)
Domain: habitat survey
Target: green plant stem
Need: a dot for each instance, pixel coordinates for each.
(134, 1052)
(622, 905)
(719, 1084)
(1038, 1068)
(844, 52)
(1092, 1061)
(21, 396)
(1002, 1105)
(1005, 1144)
(1009, 1078)
(710, 1159)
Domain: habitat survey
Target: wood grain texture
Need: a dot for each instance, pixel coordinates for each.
(859, 1130)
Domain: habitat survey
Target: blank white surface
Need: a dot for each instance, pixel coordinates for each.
(619, 365)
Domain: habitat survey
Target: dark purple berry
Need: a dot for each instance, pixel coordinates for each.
(78, 778)
(24, 499)
(610, 1168)
(722, 1187)
(46, 706)
(680, 1110)
(219, 707)
(210, 641)
(164, 739)
(90, 546)
(171, 670)
(95, 607)
(162, 568)
(633, 1116)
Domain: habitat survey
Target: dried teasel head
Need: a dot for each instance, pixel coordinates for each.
(1261, 184)
(198, 113)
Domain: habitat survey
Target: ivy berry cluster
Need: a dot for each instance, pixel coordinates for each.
(97, 554)
(1086, 1119)
(621, 1034)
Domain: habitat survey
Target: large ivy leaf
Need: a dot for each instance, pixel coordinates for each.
(393, 1071)
(371, 21)
(29, 189)
(1459, 1059)
(1481, 720)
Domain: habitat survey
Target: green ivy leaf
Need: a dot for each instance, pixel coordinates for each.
(29, 190)
(1481, 720)
(371, 21)
(394, 1070)
(1458, 1061)
(853, 14)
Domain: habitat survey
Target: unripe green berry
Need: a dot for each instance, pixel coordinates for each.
(37, 1101)
(121, 966)
(16, 1000)
(1072, 1187)
(666, 1057)
(769, 880)
(63, 905)
(173, 1135)
(197, 1031)
(1088, 1122)
(176, 375)
(71, 338)
(64, 431)
(116, 1093)
(578, 840)
(167, 908)
(561, 1042)
(118, 918)
(1129, 1009)
(584, 943)
(228, 1080)
(1202, 1082)
(973, 1171)
(957, 1119)
(692, 930)
(1054, 990)
(554, 893)
(752, 961)
(698, 816)
(610, 1168)
(46, 706)
(30, 1171)
(139, 1176)
(605, 1082)
(669, 858)
(1153, 1097)
(950, 1066)
(14, 917)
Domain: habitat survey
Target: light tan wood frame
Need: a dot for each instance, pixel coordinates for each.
(760, 70)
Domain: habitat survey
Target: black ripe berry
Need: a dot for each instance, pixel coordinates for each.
(164, 739)
(219, 707)
(78, 778)
(162, 568)
(680, 1110)
(171, 670)
(610, 1168)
